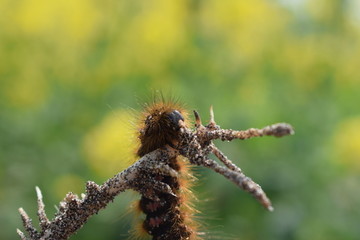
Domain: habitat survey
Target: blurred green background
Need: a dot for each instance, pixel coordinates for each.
(71, 71)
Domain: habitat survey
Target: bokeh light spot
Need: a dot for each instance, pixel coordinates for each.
(109, 147)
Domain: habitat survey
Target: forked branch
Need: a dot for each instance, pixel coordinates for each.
(196, 145)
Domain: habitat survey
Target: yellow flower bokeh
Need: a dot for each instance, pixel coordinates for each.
(347, 143)
(68, 183)
(109, 147)
(244, 26)
(73, 20)
(155, 33)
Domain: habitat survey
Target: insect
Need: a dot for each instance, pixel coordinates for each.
(168, 216)
(160, 176)
(165, 123)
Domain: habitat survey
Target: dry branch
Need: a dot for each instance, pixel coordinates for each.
(74, 212)
(196, 145)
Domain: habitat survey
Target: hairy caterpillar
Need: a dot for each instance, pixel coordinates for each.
(169, 216)
(165, 124)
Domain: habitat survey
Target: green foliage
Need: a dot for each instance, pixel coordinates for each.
(70, 69)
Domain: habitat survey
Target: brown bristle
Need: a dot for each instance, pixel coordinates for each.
(138, 232)
(135, 207)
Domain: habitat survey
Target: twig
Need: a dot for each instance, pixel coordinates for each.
(197, 146)
(21, 234)
(44, 221)
(227, 162)
(277, 130)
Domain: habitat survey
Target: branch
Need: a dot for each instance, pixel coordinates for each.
(196, 145)
(74, 212)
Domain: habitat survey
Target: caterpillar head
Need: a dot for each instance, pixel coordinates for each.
(160, 125)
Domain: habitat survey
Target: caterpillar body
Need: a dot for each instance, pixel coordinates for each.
(169, 216)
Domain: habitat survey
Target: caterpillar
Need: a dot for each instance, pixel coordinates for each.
(166, 208)
(169, 216)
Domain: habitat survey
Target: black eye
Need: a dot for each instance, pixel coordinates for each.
(174, 118)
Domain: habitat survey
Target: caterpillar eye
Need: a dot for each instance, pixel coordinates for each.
(174, 117)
